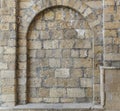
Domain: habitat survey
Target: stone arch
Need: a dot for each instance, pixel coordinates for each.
(76, 5)
(46, 48)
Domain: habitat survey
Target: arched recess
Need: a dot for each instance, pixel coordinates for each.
(78, 6)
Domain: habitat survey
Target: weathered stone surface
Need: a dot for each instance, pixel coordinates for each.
(74, 92)
(62, 73)
(59, 92)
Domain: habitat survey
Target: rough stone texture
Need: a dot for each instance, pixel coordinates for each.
(48, 50)
(54, 53)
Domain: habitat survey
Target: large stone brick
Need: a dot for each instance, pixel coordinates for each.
(83, 44)
(57, 92)
(86, 82)
(75, 92)
(50, 44)
(62, 73)
(54, 63)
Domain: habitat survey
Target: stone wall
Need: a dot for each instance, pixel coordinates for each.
(51, 50)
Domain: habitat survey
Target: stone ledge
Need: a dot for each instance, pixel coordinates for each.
(54, 106)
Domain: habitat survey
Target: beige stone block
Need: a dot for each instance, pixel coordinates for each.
(62, 73)
(74, 53)
(51, 100)
(95, 23)
(66, 43)
(59, 2)
(40, 53)
(41, 25)
(57, 92)
(82, 63)
(9, 58)
(66, 53)
(7, 74)
(35, 45)
(8, 97)
(66, 63)
(59, 14)
(33, 35)
(83, 53)
(8, 89)
(4, 27)
(86, 82)
(50, 44)
(35, 100)
(94, 4)
(50, 82)
(43, 92)
(69, 82)
(43, 63)
(25, 4)
(75, 92)
(49, 15)
(7, 82)
(67, 100)
(82, 8)
(22, 65)
(9, 50)
(83, 44)
(81, 33)
(87, 12)
(112, 57)
(110, 33)
(44, 35)
(34, 82)
(76, 73)
(109, 2)
(3, 65)
(54, 63)
(112, 25)
(56, 34)
(7, 18)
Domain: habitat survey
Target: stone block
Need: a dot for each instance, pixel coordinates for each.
(75, 92)
(9, 50)
(35, 82)
(43, 92)
(62, 73)
(56, 34)
(7, 74)
(35, 45)
(84, 44)
(66, 63)
(44, 35)
(69, 82)
(57, 92)
(66, 43)
(51, 100)
(54, 63)
(70, 34)
(76, 73)
(75, 53)
(8, 90)
(50, 82)
(86, 82)
(83, 53)
(8, 98)
(40, 53)
(50, 44)
(49, 15)
(4, 27)
(66, 53)
(3, 65)
(82, 63)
